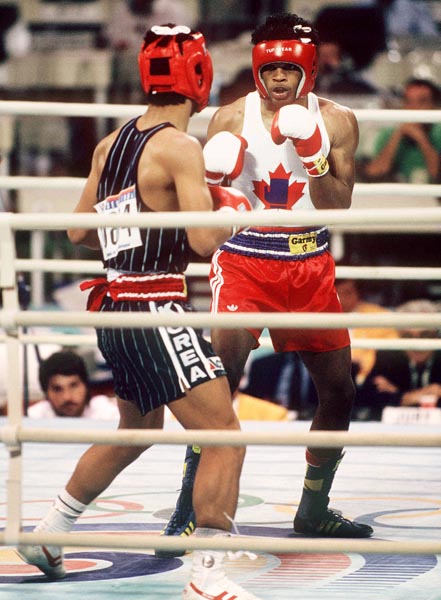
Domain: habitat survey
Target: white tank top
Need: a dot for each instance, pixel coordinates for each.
(273, 176)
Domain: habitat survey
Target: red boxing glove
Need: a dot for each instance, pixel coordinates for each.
(224, 154)
(296, 123)
(229, 199)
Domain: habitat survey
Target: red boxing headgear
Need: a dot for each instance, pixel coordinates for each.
(303, 55)
(185, 68)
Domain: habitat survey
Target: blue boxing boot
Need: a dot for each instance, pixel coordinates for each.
(183, 520)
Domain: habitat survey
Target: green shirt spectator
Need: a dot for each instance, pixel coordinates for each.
(409, 163)
(410, 152)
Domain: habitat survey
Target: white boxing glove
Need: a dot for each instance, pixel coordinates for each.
(297, 124)
(224, 154)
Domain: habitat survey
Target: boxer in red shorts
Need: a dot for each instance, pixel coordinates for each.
(271, 285)
(287, 149)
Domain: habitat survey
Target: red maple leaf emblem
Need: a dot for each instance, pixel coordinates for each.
(278, 193)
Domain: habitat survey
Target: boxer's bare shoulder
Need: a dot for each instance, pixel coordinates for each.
(228, 118)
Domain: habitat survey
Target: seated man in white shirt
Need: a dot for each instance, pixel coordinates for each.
(64, 380)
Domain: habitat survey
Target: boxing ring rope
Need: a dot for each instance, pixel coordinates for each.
(79, 109)
(415, 220)
(202, 270)
(72, 339)
(233, 543)
(94, 267)
(23, 182)
(10, 320)
(363, 218)
(14, 434)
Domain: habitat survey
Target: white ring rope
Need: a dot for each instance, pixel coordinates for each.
(23, 182)
(11, 319)
(202, 270)
(33, 265)
(12, 435)
(267, 218)
(233, 543)
(77, 339)
(79, 109)
(74, 339)
(26, 182)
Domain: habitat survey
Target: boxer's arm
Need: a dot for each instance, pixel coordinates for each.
(335, 189)
(88, 199)
(186, 164)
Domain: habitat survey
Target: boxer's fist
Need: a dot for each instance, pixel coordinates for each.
(224, 154)
(296, 123)
(229, 199)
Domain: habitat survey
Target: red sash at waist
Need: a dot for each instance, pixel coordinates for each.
(141, 288)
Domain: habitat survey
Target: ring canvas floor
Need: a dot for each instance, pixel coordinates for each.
(396, 490)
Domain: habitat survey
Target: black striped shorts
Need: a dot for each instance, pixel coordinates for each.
(152, 367)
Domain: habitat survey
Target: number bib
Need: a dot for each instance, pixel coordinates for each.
(116, 239)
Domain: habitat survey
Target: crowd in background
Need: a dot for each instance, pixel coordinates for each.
(369, 51)
(361, 43)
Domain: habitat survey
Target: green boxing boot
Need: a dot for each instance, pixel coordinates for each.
(313, 517)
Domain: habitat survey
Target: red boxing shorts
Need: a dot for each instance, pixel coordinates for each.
(248, 284)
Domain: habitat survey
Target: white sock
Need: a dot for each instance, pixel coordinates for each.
(63, 514)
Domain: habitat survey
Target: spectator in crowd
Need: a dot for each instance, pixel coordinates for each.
(281, 377)
(131, 18)
(358, 26)
(351, 298)
(15, 37)
(64, 379)
(410, 152)
(408, 17)
(404, 377)
(336, 72)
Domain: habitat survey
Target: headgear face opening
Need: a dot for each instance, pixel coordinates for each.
(303, 55)
(186, 66)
